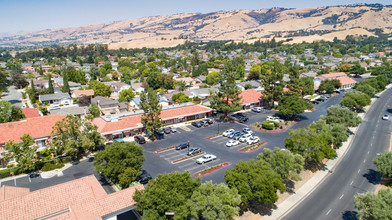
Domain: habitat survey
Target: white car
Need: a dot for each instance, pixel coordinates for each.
(257, 109)
(245, 137)
(232, 143)
(227, 132)
(247, 131)
(253, 140)
(277, 119)
(385, 117)
(206, 158)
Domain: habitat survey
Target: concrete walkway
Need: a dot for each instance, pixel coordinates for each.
(290, 203)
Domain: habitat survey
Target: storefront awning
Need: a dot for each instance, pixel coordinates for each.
(117, 133)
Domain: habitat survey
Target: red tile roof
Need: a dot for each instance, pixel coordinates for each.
(250, 96)
(332, 75)
(134, 121)
(346, 80)
(83, 198)
(30, 112)
(35, 127)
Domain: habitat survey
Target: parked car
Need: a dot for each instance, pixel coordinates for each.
(173, 129)
(253, 140)
(209, 121)
(193, 150)
(206, 158)
(182, 146)
(167, 130)
(159, 132)
(245, 137)
(247, 131)
(204, 123)
(238, 115)
(227, 132)
(243, 119)
(277, 119)
(196, 124)
(257, 109)
(231, 135)
(337, 91)
(144, 177)
(118, 140)
(139, 139)
(315, 102)
(232, 143)
(385, 117)
(323, 98)
(237, 136)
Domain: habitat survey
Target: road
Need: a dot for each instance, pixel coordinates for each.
(13, 96)
(356, 173)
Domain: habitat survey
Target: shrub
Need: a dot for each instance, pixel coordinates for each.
(269, 125)
(276, 124)
(50, 166)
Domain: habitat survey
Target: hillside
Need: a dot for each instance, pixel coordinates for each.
(241, 25)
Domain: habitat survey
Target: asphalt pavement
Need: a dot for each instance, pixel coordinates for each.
(13, 96)
(356, 173)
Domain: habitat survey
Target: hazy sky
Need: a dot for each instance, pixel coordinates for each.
(22, 15)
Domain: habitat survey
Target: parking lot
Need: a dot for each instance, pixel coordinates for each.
(162, 162)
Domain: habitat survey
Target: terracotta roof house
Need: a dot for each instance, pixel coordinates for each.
(129, 123)
(82, 198)
(30, 112)
(251, 97)
(346, 81)
(81, 93)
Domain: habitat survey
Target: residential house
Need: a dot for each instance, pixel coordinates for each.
(129, 123)
(108, 106)
(137, 87)
(118, 87)
(56, 98)
(135, 102)
(188, 80)
(83, 198)
(84, 96)
(30, 112)
(254, 85)
(42, 84)
(77, 111)
(250, 97)
(203, 93)
(346, 81)
(199, 79)
(308, 74)
(74, 85)
(39, 128)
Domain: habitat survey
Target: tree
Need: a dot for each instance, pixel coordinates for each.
(168, 192)
(94, 110)
(338, 115)
(213, 78)
(227, 99)
(181, 85)
(255, 181)
(5, 111)
(335, 134)
(152, 110)
(72, 136)
(4, 82)
(23, 153)
(272, 80)
(283, 162)
(366, 89)
(307, 86)
(214, 201)
(248, 86)
(355, 100)
(120, 162)
(293, 105)
(180, 98)
(16, 77)
(152, 80)
(330, 85)
(240, 72)
(384, 163)
(100, 89)
(50, 89)
(374, 206)
(126, 95)
(65, 87)
(32, 93)
(94, 72)
(254, 73)
(310, 144)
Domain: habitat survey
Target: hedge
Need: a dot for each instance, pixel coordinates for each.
(7, 172)
(267, 125)
(51, 166)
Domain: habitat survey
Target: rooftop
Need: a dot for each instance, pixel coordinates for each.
(30, 112)
(250, 96)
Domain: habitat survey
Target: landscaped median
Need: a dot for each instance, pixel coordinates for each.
(210, 169)
(213, 136)
(282, 127)
(252, 147)
(187, 158)
(164, 149)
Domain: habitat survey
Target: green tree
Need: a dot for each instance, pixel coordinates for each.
(32, 93)
(213, 78)
(168, 192)
(374, 206)
(180, 98)
(9, 113)
(248, 86)
(120, 162)
(384, 163)
(100, 89)
(4, 82)
(65, 87)
(94, 73)
(254, 73)
(181, 85)
(307, 86)
(23, 153)
(255, 181)
(283, 162)
(94, 110)
(214, 201)
(272, 80)
(338, 115)
(152, 80)
(330, 85)
(126, 95)
(293, 105)
(50, 89)
(355, 100)
(152, 110)
(366, 89)
(240, 72)
(227, 99)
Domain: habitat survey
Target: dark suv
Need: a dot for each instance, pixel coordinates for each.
(193, 150)
(196, 124)
(139, 139)
(182, 146)
(243, 119)
(144, 177)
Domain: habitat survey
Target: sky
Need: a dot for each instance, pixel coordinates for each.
(30, 15)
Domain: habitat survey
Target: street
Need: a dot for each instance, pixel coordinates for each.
(13, 96)
(356, 173)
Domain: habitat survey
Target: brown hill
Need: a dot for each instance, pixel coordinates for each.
(241, 25)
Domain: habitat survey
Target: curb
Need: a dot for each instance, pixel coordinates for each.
(227, 164)
(261, 145)
(276, 132)
(191, 157)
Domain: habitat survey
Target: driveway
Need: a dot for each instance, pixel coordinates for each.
(13, 95)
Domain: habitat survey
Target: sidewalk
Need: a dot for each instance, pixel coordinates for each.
(290, 203)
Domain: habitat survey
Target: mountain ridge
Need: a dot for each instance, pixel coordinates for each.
(238, 25)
